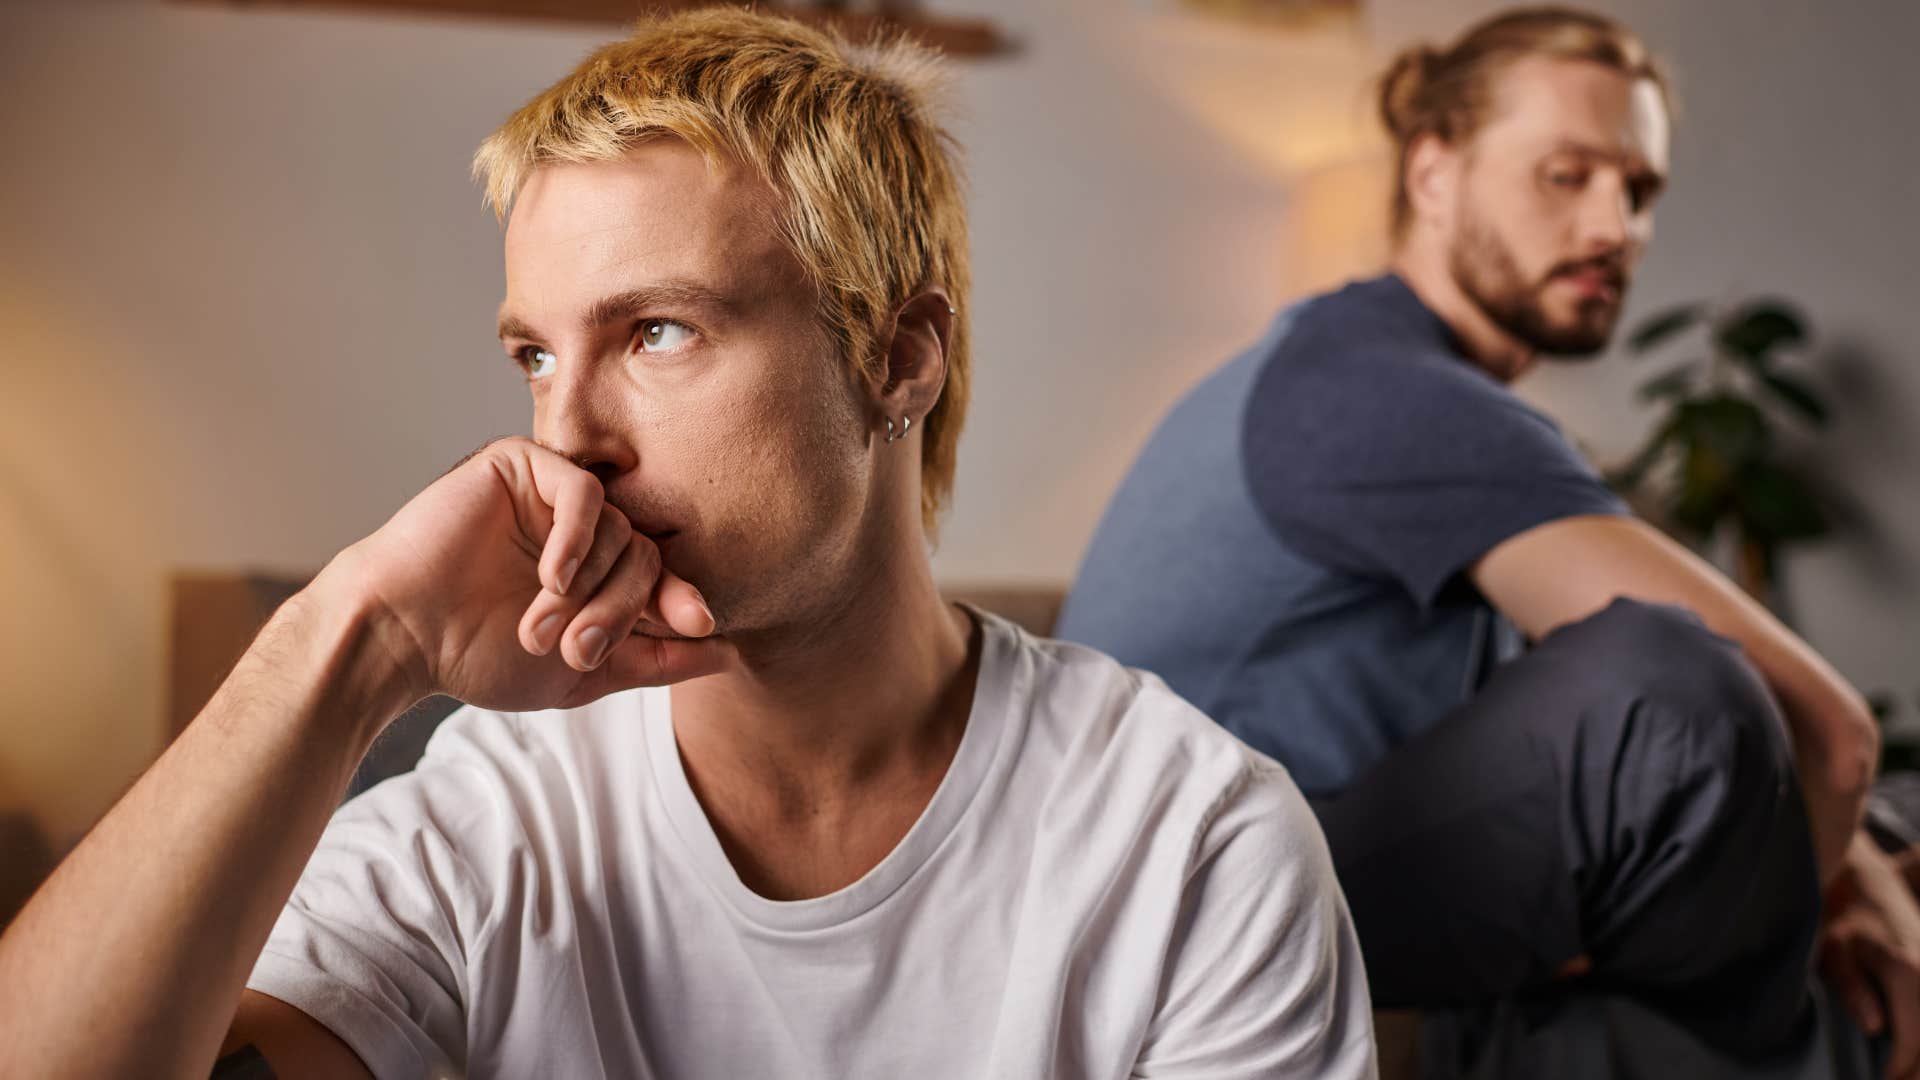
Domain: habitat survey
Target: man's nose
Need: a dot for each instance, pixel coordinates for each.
(580, 417)
(1606, 218)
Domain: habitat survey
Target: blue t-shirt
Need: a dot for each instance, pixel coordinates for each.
(1288, 550)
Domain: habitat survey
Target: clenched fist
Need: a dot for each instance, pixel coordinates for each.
(512, 584)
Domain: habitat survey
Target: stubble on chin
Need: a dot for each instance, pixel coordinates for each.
(1487, 272)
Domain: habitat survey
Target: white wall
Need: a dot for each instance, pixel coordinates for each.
(246, 291)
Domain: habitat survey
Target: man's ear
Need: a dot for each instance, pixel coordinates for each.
(1432, 181)
(916, 358)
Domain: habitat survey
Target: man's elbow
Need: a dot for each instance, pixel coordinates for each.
(1845, 749)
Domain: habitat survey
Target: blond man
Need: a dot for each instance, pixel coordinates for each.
(737, 793)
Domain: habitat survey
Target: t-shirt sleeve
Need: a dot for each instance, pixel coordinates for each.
(370, 944)
(1408, 468)
(1263, 975)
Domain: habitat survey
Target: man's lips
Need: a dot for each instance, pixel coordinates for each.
(1595, 283)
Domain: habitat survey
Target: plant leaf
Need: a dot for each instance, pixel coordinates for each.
(1672, 384)
(1730, 427)
(1774, 504)
(1628, 477)
(1706, 491)
(1797, 394)
(1756, 329)
(1663, 325)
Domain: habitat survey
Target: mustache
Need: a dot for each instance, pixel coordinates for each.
(647, 515)
(645, 511)
(1612, 267)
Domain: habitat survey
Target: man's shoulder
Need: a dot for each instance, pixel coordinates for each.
(1134, 774)
(1121, 732)
(1355, 396)
(1371, 345)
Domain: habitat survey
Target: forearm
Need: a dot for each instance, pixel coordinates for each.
(1566, 570)
(132, 957)
(1835, 740)
(1833, 729)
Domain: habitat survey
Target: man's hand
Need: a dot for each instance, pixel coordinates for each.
(131, 960)
(1870, 948)
(516, 585)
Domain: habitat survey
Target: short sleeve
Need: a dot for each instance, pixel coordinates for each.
(1264, 975)
(1405, 467)
(372, 941)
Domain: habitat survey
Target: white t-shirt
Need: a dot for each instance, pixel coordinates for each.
(1105, 884)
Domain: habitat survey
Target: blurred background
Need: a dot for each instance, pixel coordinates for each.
(247, 289)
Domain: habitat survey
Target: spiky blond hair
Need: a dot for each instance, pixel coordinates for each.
(871, 196)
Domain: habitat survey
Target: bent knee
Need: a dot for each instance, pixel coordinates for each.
(1689, 696)
(1666, 655)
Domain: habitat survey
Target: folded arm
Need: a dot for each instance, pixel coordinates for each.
(1565, 570)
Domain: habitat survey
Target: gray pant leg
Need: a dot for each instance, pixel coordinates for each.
(1585, 1036)
(1623, 790)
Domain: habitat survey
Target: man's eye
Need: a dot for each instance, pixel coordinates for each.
(664, 335)
(1566, 179)
(538, 363)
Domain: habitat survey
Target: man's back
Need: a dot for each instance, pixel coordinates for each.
(1102, 877)
(1285, 551)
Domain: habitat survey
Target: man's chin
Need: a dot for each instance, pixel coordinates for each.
(1573, 350)
(1582, 336)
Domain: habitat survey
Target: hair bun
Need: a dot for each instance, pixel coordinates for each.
(1402, 89)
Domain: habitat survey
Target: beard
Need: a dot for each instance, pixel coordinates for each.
(1485, 269)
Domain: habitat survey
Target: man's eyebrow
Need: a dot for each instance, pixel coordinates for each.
(664, 299)
(1594, 150)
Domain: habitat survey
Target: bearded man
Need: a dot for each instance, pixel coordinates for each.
(1559, 759)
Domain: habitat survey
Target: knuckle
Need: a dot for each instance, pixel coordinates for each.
(615, 523)
(646, 563)
(629, 593)
(488, 449)
(633, 596)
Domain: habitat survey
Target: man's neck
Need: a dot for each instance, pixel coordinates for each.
(1423, 266)
(870, 696)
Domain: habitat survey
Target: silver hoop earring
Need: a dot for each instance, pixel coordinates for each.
(906, 424)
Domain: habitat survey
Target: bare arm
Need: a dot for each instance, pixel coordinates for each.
(1566, 570)
(293, 1045)
(149, 929)
(132, 958)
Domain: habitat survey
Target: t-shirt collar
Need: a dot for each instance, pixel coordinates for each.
(994, 701)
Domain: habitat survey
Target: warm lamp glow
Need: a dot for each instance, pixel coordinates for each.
(1292, 100)
(1297, 101)
(1336, 225)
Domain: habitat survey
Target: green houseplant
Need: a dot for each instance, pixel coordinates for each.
(1714, 459)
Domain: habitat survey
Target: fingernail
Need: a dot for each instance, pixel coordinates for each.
(548, 629)
(707, 611)
(593, 645)
(566, 574)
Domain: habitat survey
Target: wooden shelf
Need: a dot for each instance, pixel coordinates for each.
(954, 36)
